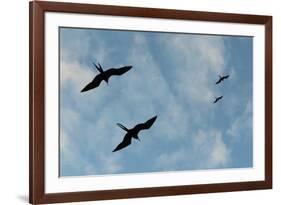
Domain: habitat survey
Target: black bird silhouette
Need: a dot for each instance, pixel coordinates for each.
(217, 99)
(133, 133)
(105, 75)
(222, 78)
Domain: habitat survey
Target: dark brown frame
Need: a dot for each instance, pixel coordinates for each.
(37, 9)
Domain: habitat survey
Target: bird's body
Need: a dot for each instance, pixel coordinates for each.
(105, 75)
(217, 99)
(222, 78)
(133, 133)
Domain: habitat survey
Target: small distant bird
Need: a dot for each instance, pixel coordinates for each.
(133, 133)
(105, 75)
(217, 99)
(222, 78)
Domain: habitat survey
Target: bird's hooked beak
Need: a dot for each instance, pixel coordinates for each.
(138, 139)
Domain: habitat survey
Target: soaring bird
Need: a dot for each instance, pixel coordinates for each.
(105, 75)
(222, 78)
(217, 99)
(133, 133)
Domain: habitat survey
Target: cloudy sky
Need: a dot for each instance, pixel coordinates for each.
(173, 77)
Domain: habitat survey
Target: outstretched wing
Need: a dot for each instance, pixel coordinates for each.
(126, 141)
(225, 77)
(95, 83)
(217, 99)
(219, 81)
(117, 71)
(145, 125)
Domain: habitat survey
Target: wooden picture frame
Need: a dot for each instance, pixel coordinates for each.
(37, 194)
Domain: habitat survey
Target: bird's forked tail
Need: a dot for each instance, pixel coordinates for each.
(123, 127)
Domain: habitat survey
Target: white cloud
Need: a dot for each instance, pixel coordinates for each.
(197, 85)
(242, 122)
(74, 73)
(125, 100)
(211, 148)
(207, 151)
(79, 44)
(93, 142)
(157, 88)
(219, 153)
(173, 160)
(70, 155)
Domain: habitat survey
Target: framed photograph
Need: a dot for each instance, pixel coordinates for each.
(132, 102)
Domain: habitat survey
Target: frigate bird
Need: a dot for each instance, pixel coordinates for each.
(133, 133)
(105, 75)
(217, 99)
(222, 78)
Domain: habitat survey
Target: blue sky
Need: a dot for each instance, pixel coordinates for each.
(173, 76)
